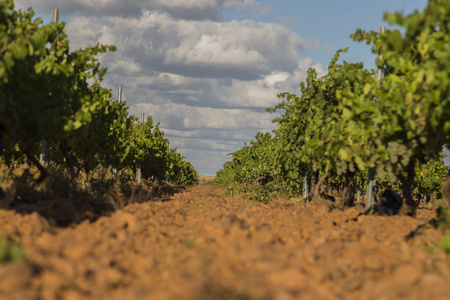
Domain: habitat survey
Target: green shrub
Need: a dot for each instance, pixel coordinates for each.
(11, 251)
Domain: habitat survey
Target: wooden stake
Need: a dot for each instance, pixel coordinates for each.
(305, 186)
(119, 93)
(139, 168)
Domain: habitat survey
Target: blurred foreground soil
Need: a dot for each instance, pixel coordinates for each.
(202, 245)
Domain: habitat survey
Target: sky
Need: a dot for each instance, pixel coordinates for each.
(206, 70)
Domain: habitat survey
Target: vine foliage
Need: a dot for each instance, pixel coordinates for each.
(48, 92)
(347, 121)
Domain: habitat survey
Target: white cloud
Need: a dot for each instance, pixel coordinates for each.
(215, 50)
(172, 115)
(239, 136)
(204, 144)
(180, 9)
(124, 67)
(84, 31)
(245, 50)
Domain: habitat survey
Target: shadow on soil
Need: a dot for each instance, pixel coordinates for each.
(68, 211)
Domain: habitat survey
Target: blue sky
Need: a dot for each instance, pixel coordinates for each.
(208, 69)
(332, 22)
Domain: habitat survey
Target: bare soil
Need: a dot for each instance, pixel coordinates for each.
(202, 245)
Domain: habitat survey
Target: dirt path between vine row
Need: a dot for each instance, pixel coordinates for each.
(202, 245)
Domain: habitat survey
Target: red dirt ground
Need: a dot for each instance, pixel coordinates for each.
(201, 245)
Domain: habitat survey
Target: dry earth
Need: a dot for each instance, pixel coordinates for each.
(202, 245)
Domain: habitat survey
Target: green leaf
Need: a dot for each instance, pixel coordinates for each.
(359, 163)
(4, 249)
(344, 155)
(8, 59)
(347, 113)
(38, 39)
(2, 70)
(446, 244)
(367, 88)
(19, 51)
(18, 254)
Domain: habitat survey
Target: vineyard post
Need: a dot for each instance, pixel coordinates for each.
(119, 93)
(119, 98)
(372, 171)
(359, 193)
(44, 157)
(370, 187)
(305, 185)
(139, 168)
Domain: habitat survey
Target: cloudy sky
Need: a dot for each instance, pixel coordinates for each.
(208, 69)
